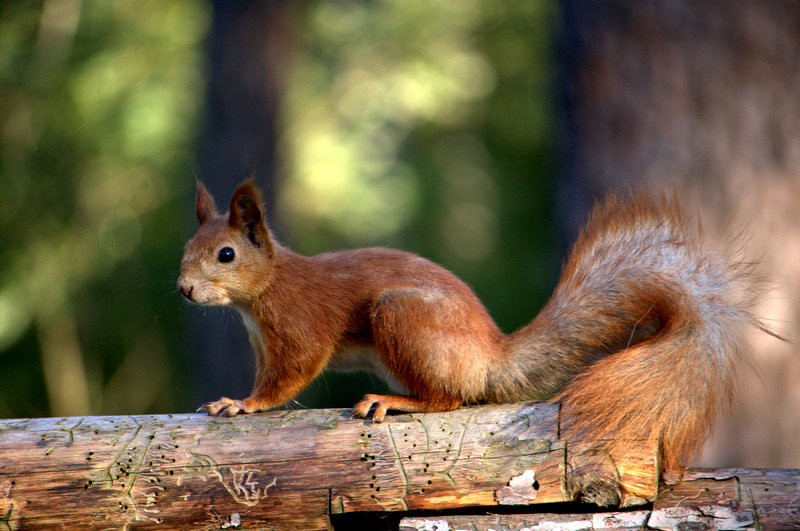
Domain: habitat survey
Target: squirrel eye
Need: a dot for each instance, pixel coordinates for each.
(226, 254)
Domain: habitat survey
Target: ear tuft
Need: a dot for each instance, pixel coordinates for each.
(204, 204)
(247, 215)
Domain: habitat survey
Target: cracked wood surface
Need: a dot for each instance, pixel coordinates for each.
(290, 469)
(705, 499)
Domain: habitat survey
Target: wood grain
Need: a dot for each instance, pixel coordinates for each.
(704, 499)
(287, 469)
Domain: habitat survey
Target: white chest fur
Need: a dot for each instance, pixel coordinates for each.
(253, 331)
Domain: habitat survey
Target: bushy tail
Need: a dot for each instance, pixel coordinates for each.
(639, 339)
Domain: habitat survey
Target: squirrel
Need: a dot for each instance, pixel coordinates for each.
(638, 340)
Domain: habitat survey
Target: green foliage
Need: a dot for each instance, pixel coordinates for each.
(98, 110)
(421, 125)
(427, 125)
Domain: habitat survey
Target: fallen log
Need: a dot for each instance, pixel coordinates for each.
(311, 469)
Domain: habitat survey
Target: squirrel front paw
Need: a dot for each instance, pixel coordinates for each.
(226, 407)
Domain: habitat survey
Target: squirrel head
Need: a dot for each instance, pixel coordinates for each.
(231, 257)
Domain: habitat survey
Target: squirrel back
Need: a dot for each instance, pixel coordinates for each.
(638, 341)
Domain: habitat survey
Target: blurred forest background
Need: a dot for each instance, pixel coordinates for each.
(476, 133)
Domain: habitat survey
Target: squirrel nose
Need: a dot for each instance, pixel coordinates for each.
(186, 291)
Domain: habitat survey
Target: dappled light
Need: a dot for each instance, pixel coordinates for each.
(366, 80)
(395, 128)
(98, 110)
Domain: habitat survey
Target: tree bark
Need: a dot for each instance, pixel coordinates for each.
(704, 499)
(290, 469)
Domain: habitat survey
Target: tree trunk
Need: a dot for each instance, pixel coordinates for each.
(702, 97)
(248, 45)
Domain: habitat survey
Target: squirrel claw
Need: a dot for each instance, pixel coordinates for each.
(363, 406)
(225, 407)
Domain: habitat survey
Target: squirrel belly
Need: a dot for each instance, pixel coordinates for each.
(637, 341)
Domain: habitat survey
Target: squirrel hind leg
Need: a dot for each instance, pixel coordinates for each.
(437, 343)
(409, 404)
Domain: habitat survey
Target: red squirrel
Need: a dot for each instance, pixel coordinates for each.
(637, 341)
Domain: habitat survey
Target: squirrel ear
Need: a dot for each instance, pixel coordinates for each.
(204, 204)
(247, 215)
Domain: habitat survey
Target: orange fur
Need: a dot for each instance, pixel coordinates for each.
(637, 340)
